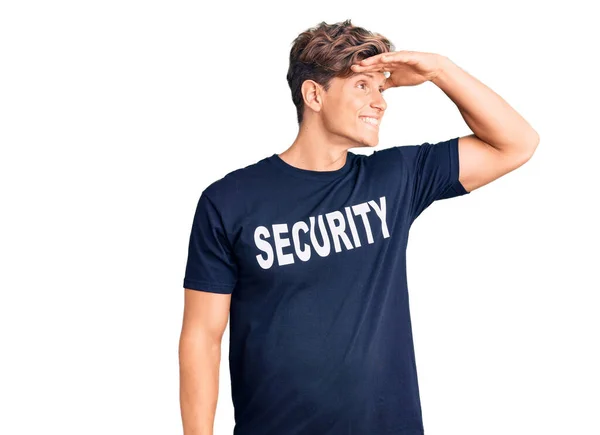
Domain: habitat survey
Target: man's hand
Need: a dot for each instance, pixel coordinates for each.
(407, 68)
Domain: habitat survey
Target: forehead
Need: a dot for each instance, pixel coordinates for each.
(377, 76)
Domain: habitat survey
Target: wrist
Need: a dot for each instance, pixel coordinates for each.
(444, 65)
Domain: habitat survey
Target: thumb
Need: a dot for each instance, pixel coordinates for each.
(388, 82)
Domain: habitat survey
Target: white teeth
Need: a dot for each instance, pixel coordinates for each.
(371, 121)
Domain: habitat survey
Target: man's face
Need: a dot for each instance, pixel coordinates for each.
(349, 102)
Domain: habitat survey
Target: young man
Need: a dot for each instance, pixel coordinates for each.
(305, 250)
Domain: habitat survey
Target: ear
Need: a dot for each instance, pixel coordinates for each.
(312, 93)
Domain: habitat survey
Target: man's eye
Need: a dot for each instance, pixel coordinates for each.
(381, 90)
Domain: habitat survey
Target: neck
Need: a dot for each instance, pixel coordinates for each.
(315, 149)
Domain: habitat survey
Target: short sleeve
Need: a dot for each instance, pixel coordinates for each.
(211, 264)
(435, 171)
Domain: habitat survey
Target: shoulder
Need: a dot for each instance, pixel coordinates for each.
(235, 186)
(416, 153)
(393, 156)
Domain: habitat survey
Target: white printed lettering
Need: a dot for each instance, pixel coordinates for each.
(264, 246)
(335, 228)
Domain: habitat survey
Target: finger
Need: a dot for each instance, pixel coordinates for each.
(378, 58)
(371, 66)
(375, 67)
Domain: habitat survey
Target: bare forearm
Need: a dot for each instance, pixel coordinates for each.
(489, 116)
(199, 361)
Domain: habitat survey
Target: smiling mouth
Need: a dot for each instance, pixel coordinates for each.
(370, 124)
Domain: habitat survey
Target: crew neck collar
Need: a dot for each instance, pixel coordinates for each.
(310, 174)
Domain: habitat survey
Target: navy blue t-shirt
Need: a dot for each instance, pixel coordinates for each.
(320, 330)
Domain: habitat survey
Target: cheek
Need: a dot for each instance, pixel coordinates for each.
(351, 106)
(344, 111)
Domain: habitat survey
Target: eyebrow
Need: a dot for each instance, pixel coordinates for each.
(370, 75)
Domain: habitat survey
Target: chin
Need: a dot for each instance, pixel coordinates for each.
(370, 139)
(371, 142)
(365, 140)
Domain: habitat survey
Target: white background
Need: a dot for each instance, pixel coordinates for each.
(115, 115)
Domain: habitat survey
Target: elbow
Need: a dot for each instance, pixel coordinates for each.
(531, 145)
(535, 141)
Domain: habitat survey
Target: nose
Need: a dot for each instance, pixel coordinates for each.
(379, 102)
